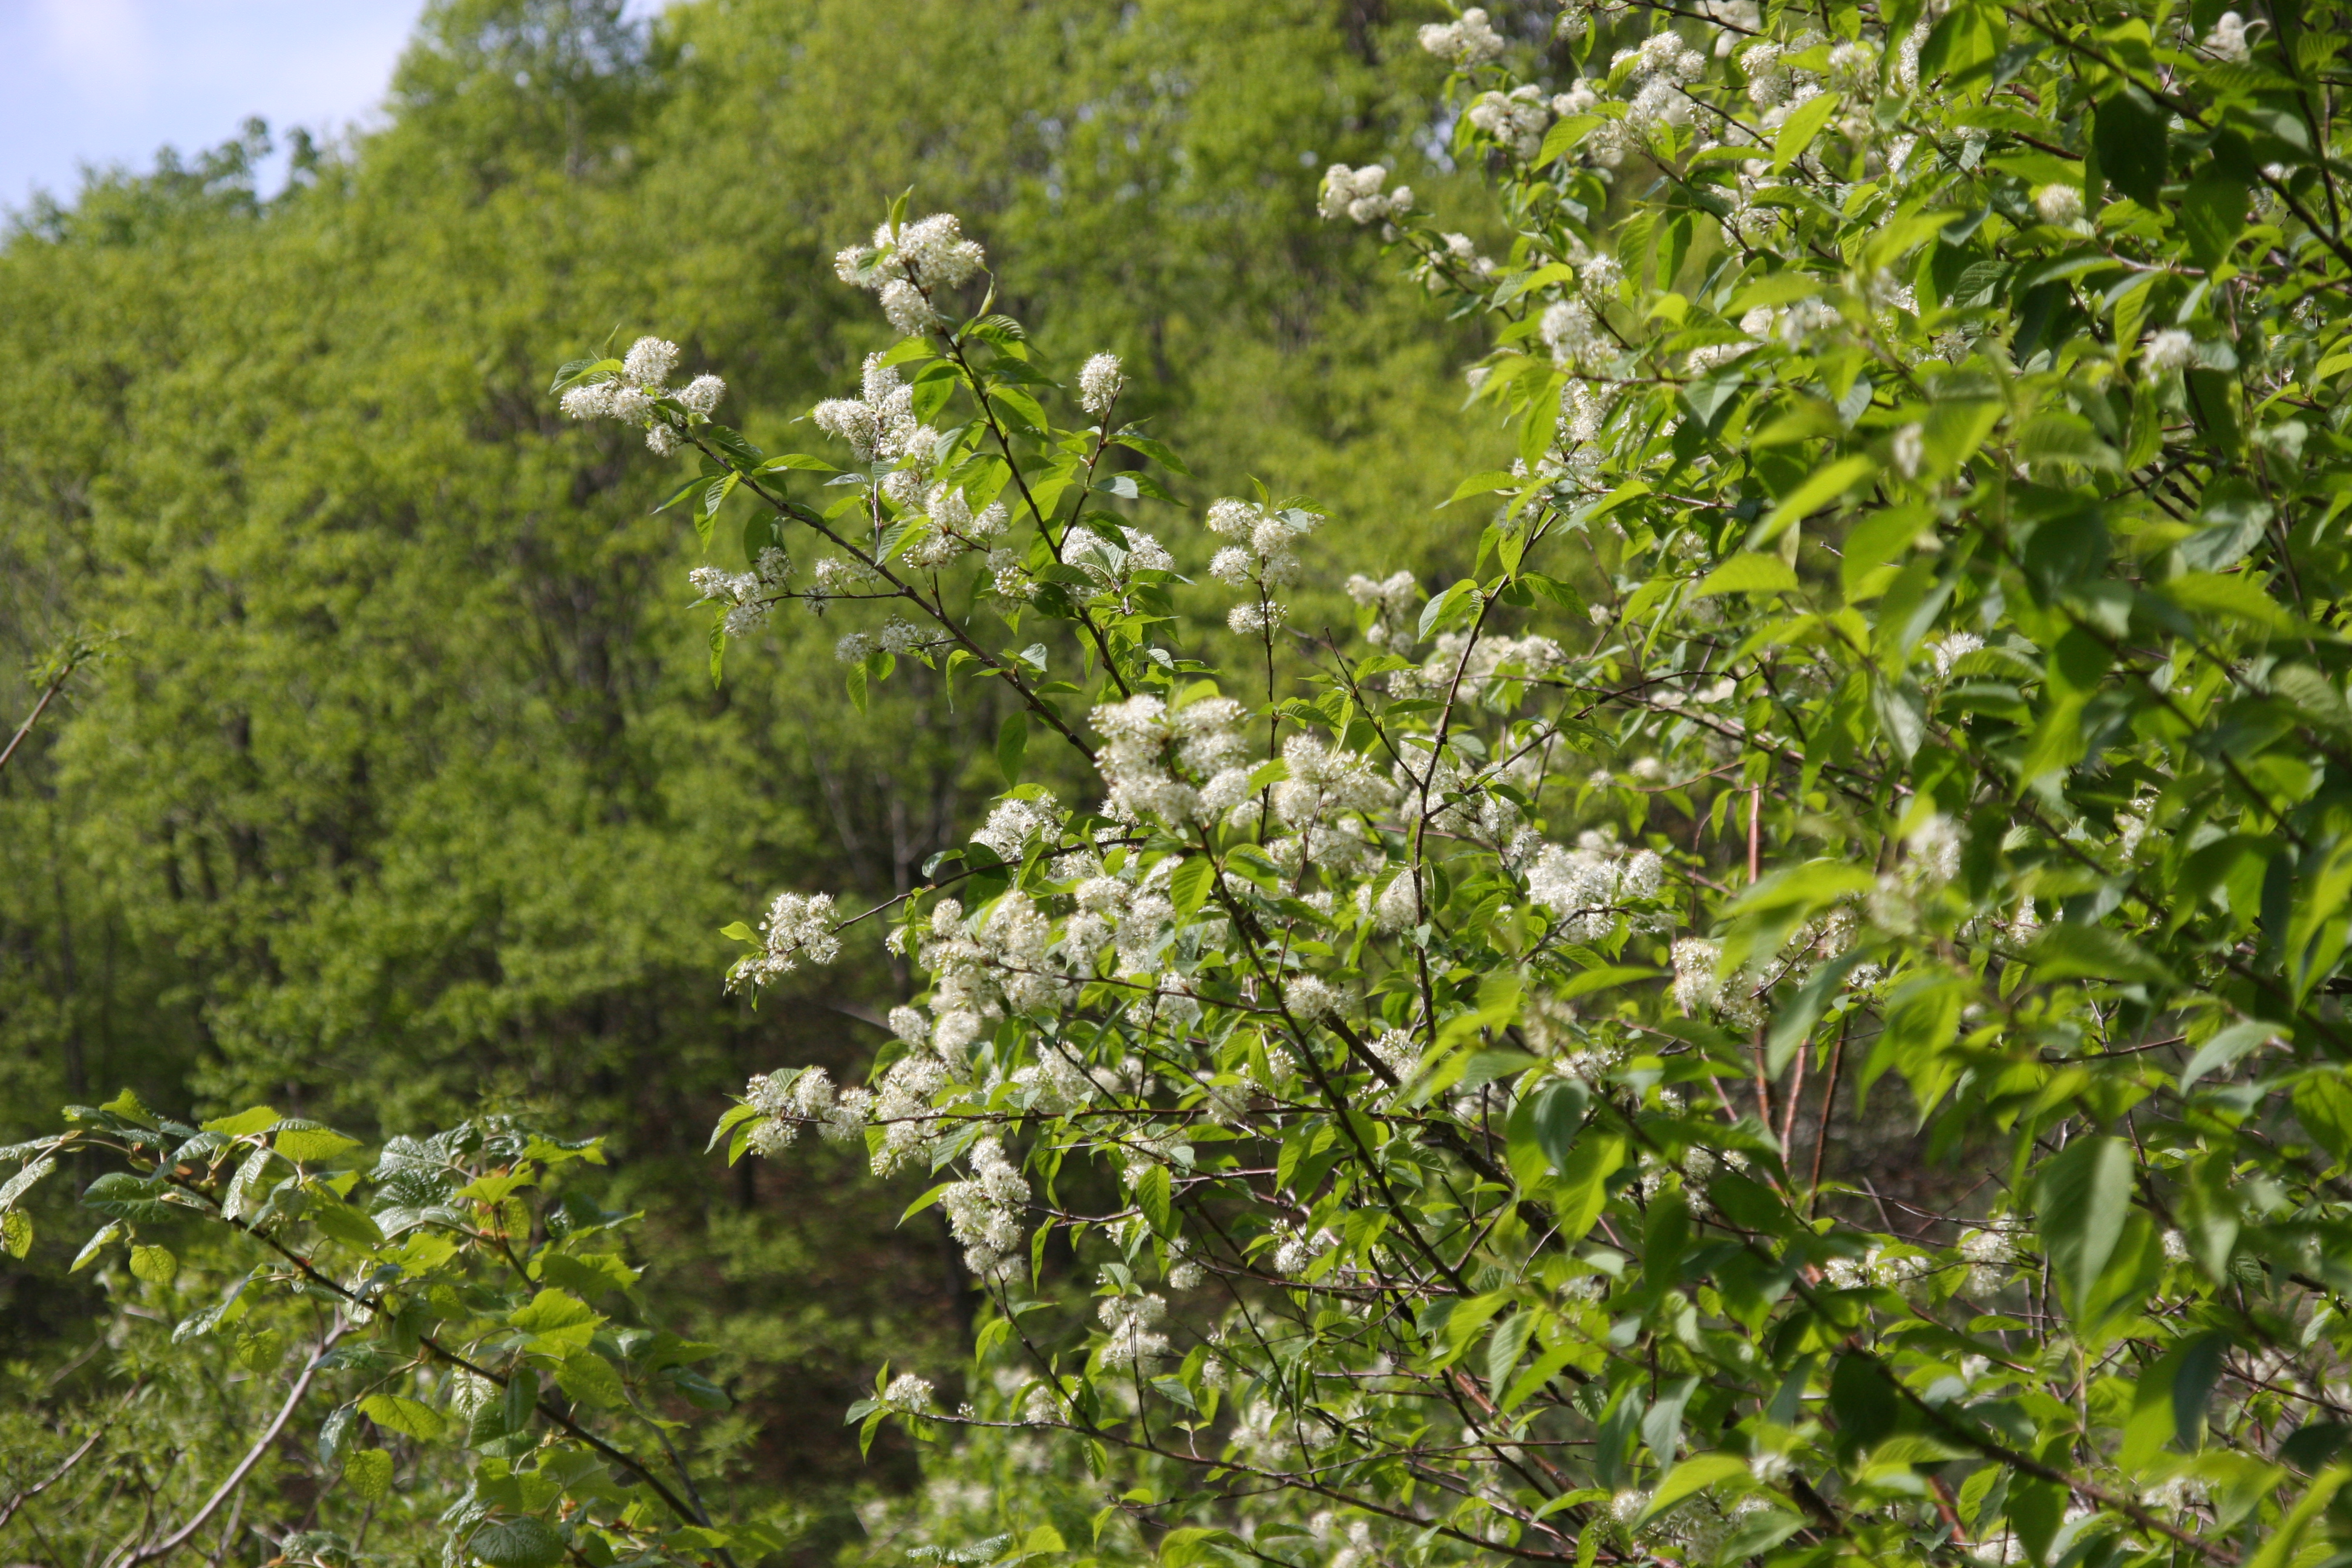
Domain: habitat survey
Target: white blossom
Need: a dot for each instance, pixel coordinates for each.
(2168, 351)
(907, 1392)
(1470, 41)
(1099, 382)
(649, 363)
(2059, 204)
(2227, 40)
(797, 926)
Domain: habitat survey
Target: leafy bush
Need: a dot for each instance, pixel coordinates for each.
(1439, 1102)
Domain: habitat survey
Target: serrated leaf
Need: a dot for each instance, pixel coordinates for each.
(308, 1143)
(105, 1238)
(524, 1543)
(398, 1413)
(1155, 1195)
(1188, 888)
(368, 1472)
(2081, 1198)
(18, 1185)
(1748, 573)
(245, 1123)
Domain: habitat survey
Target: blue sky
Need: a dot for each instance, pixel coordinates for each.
(108, 81)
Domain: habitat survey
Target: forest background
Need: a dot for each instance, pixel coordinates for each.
(407, 782)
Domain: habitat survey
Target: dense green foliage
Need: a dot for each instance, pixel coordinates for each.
(406, 783)
(1787, 1007)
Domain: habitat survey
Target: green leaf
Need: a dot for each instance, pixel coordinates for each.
(245, 1123)
(16, 1233)
(127, 1106)
(1482, 484)
(398, 1413)
(523, 1543)
(2233, 595)
(1818, 491)
(2223, 1051)
(2072, 950)
(18, 1185)
(1693, 1474)
(589, 1379)
(1188, 888)
(368, 1472)
(2213, 213)
(586, 1273)
(1155, 1195)
(1748, 574)
(106, 1237)
(1557, 1116)
(1583, 1191)
(550, 1311)
(154, 1264)
(1157, 451)
(2081, 1198)
(1012, 741)
(304, 1144)
(1804, 123)
(2128, 131)
(926, 1201)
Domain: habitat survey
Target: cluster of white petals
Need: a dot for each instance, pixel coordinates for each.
(634, 394)
(797, 926)
(748, 597)
(906, 263)
(1470, 40)
(1356, 193)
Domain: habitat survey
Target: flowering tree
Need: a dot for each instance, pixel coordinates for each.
(1795, 1011)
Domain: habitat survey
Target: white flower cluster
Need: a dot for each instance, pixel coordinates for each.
(2168, 351)
(1515, 119)
(1473, 670)
(1356, 193)
(2227, 40)
(898, 634)
(1990, 1256)
(748, 595)
(634, 396)
(1467, 42)
(1131, 1341)
(797, 926)
(1949, 650)
(1574, 334)
(909, 1392)
(1877, 1269)
(1697, 988)
(1309, 997)
(1296, 1252)
(1391, 599)
(1265, 559)
(1775, 86)
(1660, 71)
(786, 1100)
(1012, 823)
(984, 1211)
(1325, 785)
(879, 423)
(1100, 383)
(1590, 886)
(2061, 205)
(906, 264)
(980, 970)
(955, 529)
(1155, 754)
